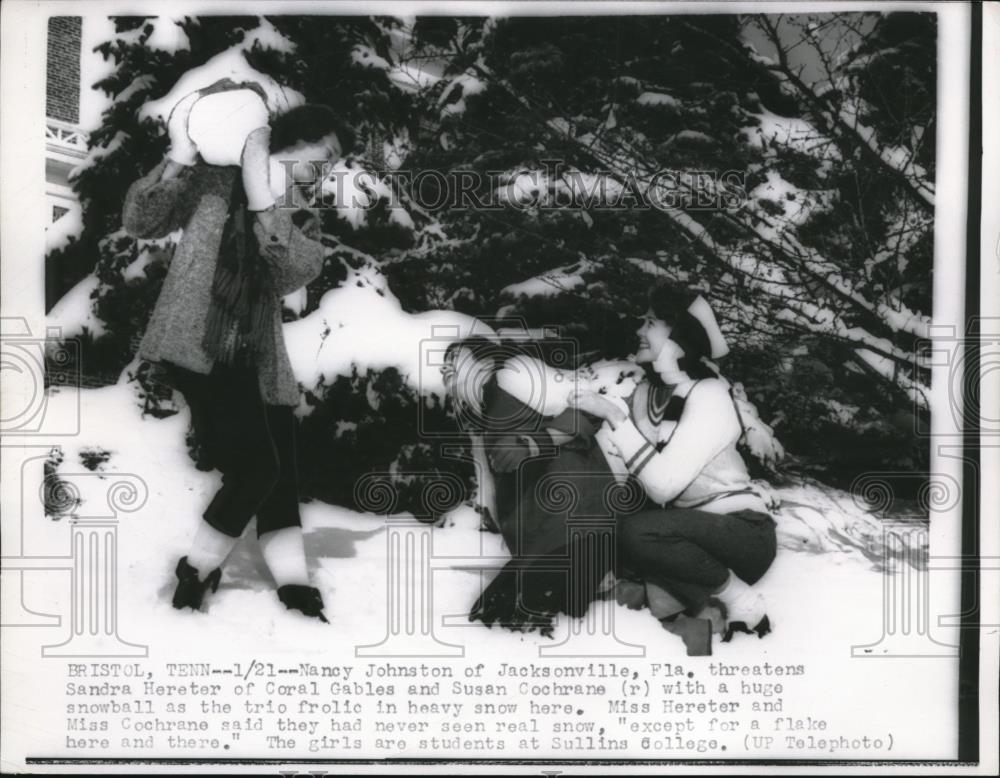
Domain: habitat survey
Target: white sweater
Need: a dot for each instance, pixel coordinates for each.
(698, 465)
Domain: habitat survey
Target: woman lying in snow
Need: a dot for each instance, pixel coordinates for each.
(707, 536)
(217, 327)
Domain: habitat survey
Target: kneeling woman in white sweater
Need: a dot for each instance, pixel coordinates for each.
(705, 532)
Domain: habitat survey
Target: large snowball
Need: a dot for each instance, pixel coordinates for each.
(220, 123)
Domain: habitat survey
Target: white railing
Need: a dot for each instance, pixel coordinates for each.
(65, 137)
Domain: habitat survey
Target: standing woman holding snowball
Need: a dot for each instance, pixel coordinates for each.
(217, 323)
(707, 536)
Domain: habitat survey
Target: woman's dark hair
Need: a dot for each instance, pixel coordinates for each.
(671, 305)
(309, 123)
(482, 348)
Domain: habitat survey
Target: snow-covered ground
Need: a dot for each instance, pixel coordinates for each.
(819, 529)
(824, 591)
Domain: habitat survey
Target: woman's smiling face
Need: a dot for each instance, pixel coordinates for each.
(653, 335)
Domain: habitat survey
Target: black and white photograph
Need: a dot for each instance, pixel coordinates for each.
(475, 387)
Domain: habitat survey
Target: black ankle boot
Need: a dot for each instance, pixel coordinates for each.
(763, 627)
(190, 590)
(303, 598)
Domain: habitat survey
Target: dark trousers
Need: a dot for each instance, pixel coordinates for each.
(690, 552)
(251, 443)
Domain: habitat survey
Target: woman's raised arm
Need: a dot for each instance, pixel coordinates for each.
(159, 202)
(294, 254)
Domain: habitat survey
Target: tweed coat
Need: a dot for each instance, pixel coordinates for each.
(198, 200)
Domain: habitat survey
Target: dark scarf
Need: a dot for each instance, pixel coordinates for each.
(659, 398)
(239, 320)
(661, 402)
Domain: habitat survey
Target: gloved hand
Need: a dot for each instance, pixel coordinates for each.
(182, 149)
(510, 451)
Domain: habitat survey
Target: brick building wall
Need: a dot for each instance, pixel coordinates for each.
(62, 85)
